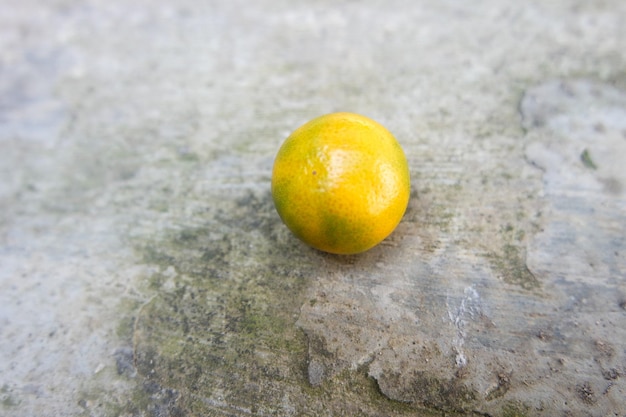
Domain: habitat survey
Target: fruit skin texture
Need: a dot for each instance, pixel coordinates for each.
(341, 183)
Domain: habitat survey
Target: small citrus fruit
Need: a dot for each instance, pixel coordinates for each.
(341, 183)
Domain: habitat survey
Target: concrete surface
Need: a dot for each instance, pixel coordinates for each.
(144, 271)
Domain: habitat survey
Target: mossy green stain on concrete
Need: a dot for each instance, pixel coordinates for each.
(515, 409)
(219, 335)
(6, 399)
(224, 324)
(510, 264)
(585, 158)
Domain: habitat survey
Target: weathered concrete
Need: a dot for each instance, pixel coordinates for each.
(144, 271)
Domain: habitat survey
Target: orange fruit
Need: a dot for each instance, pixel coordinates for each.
(341, 183)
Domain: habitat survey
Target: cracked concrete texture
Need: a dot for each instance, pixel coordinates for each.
(143, 270)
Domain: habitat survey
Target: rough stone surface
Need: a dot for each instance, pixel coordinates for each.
(144, 271)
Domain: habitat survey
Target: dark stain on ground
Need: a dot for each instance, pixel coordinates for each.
(586, 393)
(219, 335)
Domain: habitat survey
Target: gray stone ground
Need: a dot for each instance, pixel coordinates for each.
(144, 271)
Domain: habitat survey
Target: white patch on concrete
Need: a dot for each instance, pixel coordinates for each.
(467, 309)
